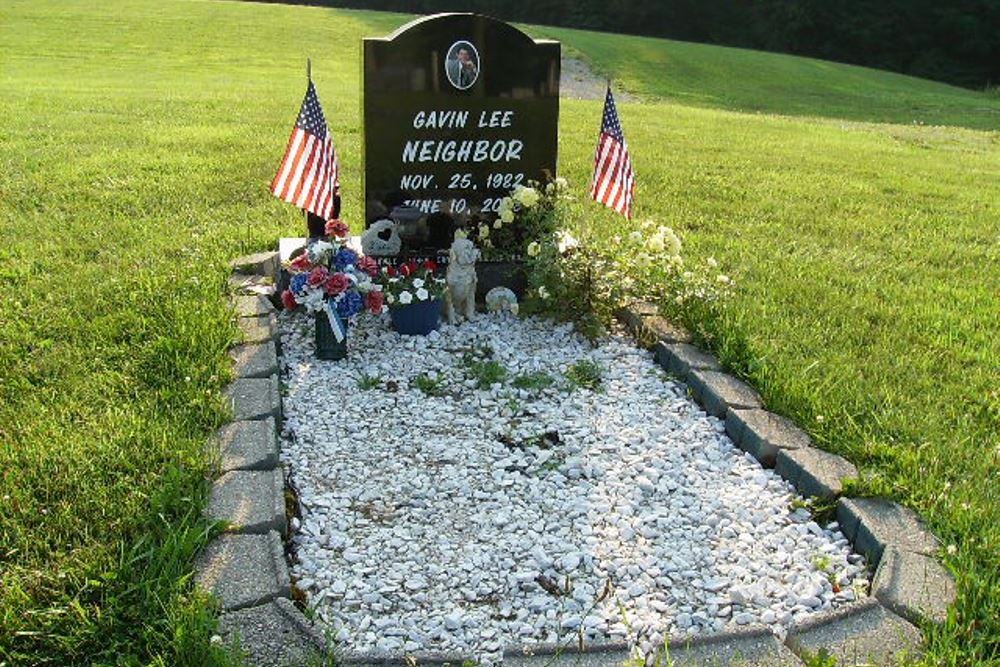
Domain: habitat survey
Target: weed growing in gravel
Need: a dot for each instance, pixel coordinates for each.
(431, 386)
(534, 381)
(585, 373)
(487, 373)
(482, 367)
(366, 382)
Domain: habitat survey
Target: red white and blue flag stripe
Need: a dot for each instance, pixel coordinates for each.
(614, 180)
(309, 174)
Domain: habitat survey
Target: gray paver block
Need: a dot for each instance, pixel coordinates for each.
(257, 329)
(717, 392)
(244, 570)
(261, 264)
(631, 319)
(680, 358)
(914, 586)
(661, 329)
(275, 634)
(644, 309)
(255, 360)
(864, 633)
(815, 472)
(763, 434)
(252, 305)
(242, 283)
(571, 658)
(254, 398)
(248, 445)
(874, 523)
(751, 647)
(252, 501)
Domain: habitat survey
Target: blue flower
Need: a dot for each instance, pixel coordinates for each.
(344, 258)
(298, 284)
(349, 304)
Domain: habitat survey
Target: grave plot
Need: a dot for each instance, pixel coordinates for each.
(506, 485)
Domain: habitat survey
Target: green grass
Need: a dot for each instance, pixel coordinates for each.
(136, 145)
(757, 81)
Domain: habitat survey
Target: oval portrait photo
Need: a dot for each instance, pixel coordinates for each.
(462, 65)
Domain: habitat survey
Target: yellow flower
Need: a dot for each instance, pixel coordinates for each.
(498, 223)
(484, 231)
(656, 243)
(506, 214)
(534, 249)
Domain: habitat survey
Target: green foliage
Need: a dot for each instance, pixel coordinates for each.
(487, 373)
(430, 386)
(366, 382)
(585, 373)
(480, 366)
(533, 381)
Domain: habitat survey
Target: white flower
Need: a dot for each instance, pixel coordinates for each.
(673, 242)
(565, 241)
(405, 297)
(507, 215)
(313, 299)
(534, 249)
(635, 237)
(561, 183)
(543, 292)
(711, 262)
(389, 298)
(422, 294)
(723, 279)
(526, 197)
(506, 204)
(418, 282)
(484, 231)
(656, 243)
(952, 550)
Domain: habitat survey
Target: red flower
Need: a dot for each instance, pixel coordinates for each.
(288, 300)
(337, 228)
(431, 265)
(300, 263)
(337, 283)
(374, 301)
(390, 271)
(368, 265)
(318, 276)
(406, 269)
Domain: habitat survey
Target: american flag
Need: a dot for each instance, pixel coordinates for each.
(614, 180)
(309, 175)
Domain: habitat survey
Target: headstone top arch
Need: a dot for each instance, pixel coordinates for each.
(458, 109)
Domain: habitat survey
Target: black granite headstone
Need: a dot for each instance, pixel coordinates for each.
(458, 109)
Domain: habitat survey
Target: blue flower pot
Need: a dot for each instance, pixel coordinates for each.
(416, 319)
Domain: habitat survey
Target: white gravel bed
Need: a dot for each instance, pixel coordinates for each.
(447, 524)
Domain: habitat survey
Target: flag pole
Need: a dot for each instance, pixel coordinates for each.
(309, 77)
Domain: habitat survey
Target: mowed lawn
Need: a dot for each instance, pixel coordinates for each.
(136, 144)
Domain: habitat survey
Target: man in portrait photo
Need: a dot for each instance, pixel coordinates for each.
(462, 65)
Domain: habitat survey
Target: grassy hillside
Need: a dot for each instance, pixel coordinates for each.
(135, 150)
(756, 81)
